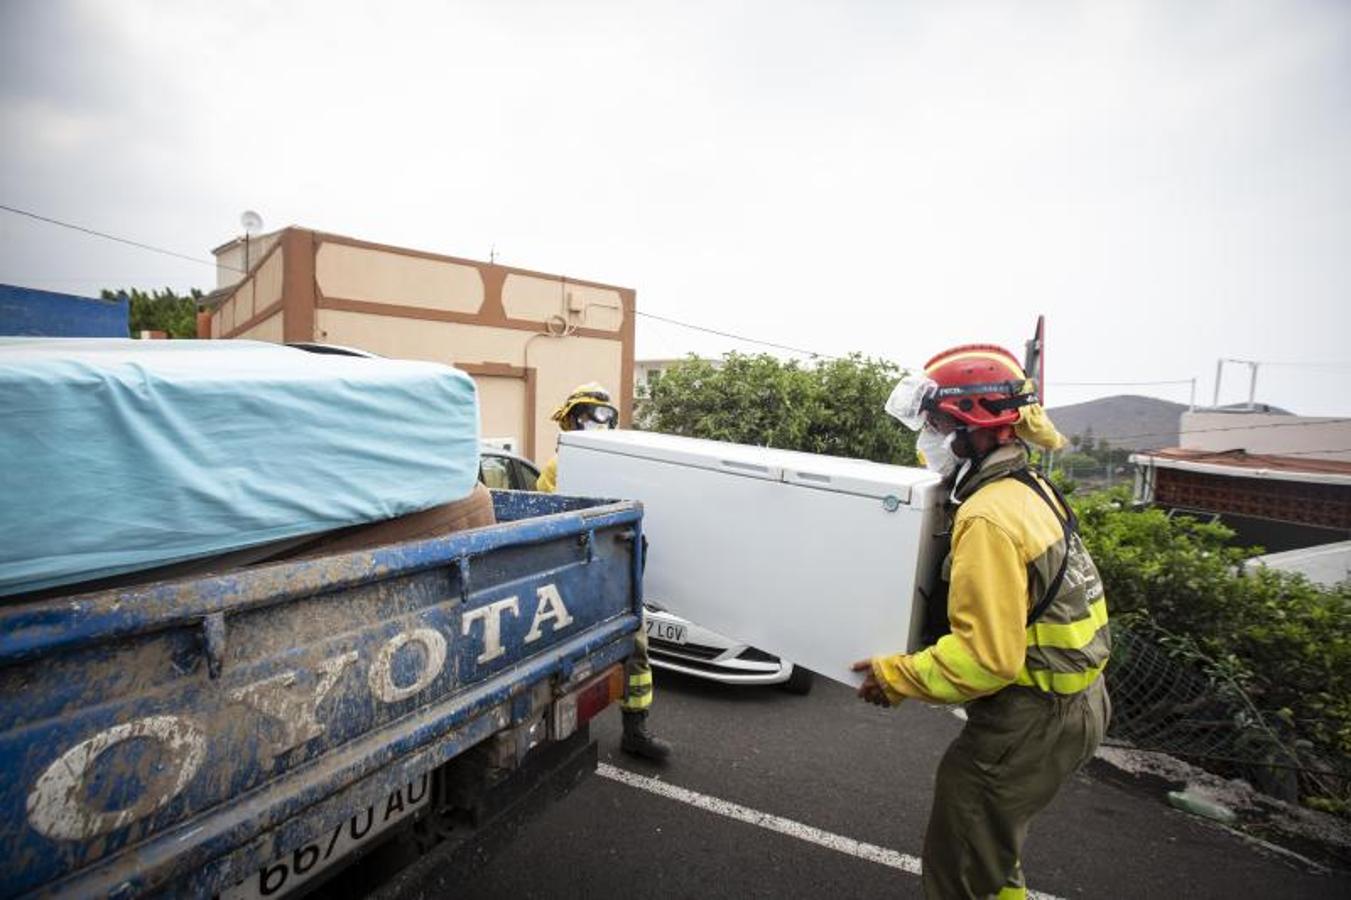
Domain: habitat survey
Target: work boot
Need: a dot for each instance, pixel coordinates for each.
(638, 741)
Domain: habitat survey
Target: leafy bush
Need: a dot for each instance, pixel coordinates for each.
(163, 310)
(833, 407)
(1286, 641)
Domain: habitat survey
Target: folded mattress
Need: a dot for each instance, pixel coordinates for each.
(122, 455)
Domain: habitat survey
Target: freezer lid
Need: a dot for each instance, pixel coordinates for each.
(719, 456)
(808, 470)
(914, 487)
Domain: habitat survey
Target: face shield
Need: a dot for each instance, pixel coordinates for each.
(909, 399)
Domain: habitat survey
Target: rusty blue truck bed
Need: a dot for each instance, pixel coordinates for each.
(237, 735)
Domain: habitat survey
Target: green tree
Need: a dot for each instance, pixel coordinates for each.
(833, 407)
(162, 310)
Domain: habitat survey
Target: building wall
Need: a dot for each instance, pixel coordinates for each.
(270, 329)
(255, 298)
(231, 258)
(1307, 436)
(1300, 502)
(527, 338)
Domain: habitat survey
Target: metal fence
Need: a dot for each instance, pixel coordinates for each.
(1166, 703)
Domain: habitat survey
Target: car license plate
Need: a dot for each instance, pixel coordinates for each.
(666, 631)
(295, 869)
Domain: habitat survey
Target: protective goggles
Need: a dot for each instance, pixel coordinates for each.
(915, 396)
(601, 415)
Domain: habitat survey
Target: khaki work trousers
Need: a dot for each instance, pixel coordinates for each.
(638, 674)
(1018, 747)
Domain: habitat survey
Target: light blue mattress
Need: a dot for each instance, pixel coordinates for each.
(122, 455)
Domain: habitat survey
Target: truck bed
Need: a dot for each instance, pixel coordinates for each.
(183, 736)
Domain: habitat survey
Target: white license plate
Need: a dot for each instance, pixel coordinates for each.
(666, 631)
(295, 869)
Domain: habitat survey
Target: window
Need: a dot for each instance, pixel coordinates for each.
(493, 472)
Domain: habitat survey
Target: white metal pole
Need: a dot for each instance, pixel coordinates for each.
(1219, 372)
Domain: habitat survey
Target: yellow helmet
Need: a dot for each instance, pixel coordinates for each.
(592, 398)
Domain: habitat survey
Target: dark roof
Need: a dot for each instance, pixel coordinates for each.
(1243, 460)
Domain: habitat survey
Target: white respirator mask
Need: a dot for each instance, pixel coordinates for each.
(935, 450)
(590, 425)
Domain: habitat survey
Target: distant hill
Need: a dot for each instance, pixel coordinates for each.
(1127, 421)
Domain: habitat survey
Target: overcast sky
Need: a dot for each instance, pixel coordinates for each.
(1168, 182)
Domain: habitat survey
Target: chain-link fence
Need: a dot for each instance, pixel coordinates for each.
(1163, 702)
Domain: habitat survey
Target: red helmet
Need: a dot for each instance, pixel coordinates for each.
(981, 385)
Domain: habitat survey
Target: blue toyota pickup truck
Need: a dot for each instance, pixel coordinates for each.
(258, 732)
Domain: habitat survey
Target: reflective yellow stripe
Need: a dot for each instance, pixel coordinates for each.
(950, 674)
(1075, 635)
(1059, 682)
(637, 704)
(1012, 893)
(641, 679)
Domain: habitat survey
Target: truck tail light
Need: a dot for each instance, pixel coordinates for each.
(577, 707)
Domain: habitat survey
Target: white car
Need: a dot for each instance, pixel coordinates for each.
(679, 645)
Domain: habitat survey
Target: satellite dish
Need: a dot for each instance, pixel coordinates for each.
(252, 222)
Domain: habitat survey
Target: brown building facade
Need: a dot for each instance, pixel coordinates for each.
(526, 337)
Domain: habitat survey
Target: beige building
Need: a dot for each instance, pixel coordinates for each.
(527, 338)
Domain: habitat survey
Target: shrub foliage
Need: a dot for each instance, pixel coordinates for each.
(833, 407)
(1285, 640)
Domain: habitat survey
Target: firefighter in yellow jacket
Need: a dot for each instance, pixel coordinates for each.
(1026, 621)
(589, 407)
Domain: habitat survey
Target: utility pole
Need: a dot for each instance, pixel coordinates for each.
(1252, 379)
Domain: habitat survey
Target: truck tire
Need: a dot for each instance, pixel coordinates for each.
(800, 681)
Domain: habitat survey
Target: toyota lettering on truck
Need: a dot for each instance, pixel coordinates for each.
(317, 709)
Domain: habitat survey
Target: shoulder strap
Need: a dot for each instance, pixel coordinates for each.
(1069, 524)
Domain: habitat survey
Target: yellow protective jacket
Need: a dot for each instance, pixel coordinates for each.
(548, 479)
(1007, 546)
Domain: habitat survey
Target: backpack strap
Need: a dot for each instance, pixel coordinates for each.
(1069, 524)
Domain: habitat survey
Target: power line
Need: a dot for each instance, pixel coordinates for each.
(736, 337)
(1116, 383)
(112, 237)
(1306, 365)
(1305, 452)
(1206, 453)
(1122, 437)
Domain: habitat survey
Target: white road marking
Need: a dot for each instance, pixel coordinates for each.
(870, 852)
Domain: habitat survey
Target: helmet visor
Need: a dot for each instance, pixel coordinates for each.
(910, 400)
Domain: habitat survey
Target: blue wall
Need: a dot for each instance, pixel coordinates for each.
(28, 312)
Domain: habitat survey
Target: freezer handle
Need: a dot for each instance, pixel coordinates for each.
(747, 468)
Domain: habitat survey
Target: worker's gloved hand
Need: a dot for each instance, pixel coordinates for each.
(870, 690)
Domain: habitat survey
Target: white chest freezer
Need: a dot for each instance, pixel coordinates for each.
(815, 558)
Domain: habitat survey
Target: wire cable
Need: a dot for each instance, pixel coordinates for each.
(735, 337)
(1116, 383)
(1180, 432)
(112, 237)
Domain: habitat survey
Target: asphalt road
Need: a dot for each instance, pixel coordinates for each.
(854, 773)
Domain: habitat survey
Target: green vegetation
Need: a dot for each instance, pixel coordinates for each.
(833, 407)
(162, 310)
(1285, 642)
